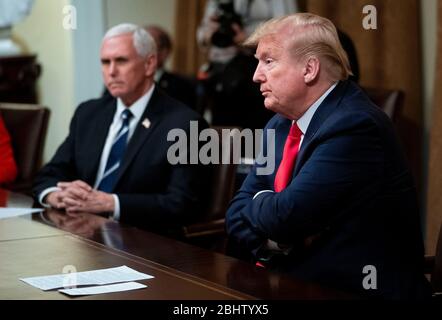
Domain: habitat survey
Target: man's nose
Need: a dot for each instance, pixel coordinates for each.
(112, 69)
(258, 76)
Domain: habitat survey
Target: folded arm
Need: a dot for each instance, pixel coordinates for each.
(343, 167)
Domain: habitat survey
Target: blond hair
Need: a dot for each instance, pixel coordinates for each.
(309, 35)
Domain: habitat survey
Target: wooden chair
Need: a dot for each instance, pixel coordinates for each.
(433, 267)
(27, 125)
(210, 232)
(390, 101)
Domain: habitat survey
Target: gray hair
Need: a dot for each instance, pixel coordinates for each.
(143, 42)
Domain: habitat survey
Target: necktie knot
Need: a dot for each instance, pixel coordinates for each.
(295, 132)
(126, 115)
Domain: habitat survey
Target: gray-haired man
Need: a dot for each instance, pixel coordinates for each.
(114, 159)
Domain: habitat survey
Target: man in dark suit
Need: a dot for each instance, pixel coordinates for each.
(340, 208)
(175, 85)
(115, 158)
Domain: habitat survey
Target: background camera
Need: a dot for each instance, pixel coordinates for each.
(226, 16)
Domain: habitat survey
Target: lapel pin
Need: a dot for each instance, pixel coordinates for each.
(146, 123)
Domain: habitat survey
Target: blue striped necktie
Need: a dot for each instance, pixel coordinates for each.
(116, 154)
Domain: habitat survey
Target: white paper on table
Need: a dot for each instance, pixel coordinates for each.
(120, 287)
(15, 212)
(95, 277)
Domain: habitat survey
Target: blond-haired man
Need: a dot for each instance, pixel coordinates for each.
(340, 208)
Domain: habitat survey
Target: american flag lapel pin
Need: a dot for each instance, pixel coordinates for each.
(146, 123)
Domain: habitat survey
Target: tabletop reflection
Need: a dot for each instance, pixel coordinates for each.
(82, 224)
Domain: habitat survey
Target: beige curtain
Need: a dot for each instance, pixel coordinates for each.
(187, 57)
(389, 57)
(434, 200)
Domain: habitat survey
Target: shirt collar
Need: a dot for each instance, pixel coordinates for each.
(304, 121)
(138, 107)
(158, 74)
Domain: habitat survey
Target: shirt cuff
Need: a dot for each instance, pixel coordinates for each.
(260, 192)
(116, 214)
(270, 249)
(275, 247)
(44, 193)
(272, 245)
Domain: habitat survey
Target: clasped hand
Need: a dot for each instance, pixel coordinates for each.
(78, 196)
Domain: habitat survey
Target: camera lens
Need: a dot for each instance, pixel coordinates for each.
(227, 16)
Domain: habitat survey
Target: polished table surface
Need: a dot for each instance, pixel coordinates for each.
(53, 241)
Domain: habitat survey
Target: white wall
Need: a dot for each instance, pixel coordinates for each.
(143, 12)
(87, 37)
(42, 33)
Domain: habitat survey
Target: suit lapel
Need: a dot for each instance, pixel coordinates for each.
(322, 113)
(98, 139)
(152, 113)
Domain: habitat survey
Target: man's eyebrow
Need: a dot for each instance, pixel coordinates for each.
(261, 56)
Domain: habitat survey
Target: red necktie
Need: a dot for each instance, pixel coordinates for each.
(291, 147)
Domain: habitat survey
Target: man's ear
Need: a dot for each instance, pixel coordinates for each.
(311, 69)
(150, 65)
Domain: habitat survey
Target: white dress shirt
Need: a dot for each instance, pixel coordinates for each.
(137, 109)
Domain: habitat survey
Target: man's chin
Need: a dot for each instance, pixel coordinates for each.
(115, 93)
(269, 106)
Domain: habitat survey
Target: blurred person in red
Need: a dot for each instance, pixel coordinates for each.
(8, 167)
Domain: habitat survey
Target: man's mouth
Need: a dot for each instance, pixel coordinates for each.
(265, 92)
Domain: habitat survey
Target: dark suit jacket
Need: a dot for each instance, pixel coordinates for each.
(153, 193)
(351, 202)
(179, 87)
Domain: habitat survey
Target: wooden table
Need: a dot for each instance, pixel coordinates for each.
(53, 242)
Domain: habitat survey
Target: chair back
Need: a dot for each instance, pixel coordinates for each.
(223, 176)
(27, 125)
(390, 101)
(223, 188)
(436, 276)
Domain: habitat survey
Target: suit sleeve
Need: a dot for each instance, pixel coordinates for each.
(342, 172)
(182, 202)
(237, 227)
